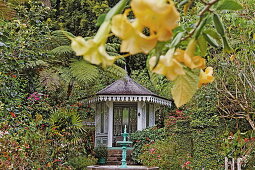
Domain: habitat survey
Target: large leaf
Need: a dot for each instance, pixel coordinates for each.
(213, 34)
(229, 5)
(202, 45)
(185, 87)
(84, 71)
(210, 40)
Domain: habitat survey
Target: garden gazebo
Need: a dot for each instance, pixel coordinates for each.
(124, 102)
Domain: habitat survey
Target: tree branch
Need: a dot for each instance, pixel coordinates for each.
(201, 15)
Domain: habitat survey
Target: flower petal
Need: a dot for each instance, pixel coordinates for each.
(159, 16)
(190, 60)
(206, 76)
(133, 40)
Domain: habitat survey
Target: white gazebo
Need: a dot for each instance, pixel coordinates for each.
(124, 102)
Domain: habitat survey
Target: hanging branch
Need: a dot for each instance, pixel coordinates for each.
(201, 16)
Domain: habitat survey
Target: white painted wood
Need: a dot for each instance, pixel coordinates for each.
(143, 115)
(152, 115)
(139, 115)
(133, 98)
(226, 163)
(97, 123)
(98, 119)
(106, 117)
(233, 164)
(239, 164)
(110, 123)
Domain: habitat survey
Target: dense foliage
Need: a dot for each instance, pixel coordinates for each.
(43, 86)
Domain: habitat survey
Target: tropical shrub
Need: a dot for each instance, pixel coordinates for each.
(163, 154)
(146, 136)
(101, 152)
(81, 162)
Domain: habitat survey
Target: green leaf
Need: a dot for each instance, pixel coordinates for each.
(185, 87)
(229, 5)
(176, 40)
(213, 34)
(218, 24)
(210, 40)
(100, 19)
(118, 8)
(202, 45)
(226, 46)
(200, 28)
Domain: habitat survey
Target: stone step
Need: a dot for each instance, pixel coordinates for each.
(118, 163)
(113, 163)
(115, 156)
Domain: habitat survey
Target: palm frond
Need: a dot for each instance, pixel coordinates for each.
(84, 71)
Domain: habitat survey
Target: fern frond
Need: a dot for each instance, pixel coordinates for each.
(6, 12)
(65, 73)
(37, 63)
(115, 71)
(112, 47)
(84, 71)
(121, 61)
(17, 1)
(50, 79)
(61, 37)
(62, 50)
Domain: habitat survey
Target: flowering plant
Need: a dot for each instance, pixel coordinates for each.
(153, 31)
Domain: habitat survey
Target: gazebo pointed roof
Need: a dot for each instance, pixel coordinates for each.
(127, 90)
(125, 86)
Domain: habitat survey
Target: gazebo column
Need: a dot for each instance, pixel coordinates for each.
(110, 123)
(140, 115)
(152, 115)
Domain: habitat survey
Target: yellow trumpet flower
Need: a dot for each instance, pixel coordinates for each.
(133, 40)
(190, 60)
(205, 77)
(94, 50)
(160, 16)
(168, 65)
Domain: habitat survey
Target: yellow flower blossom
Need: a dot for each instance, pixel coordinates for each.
(206, 76)
(232, 57)
(94, 50)
(189, 59)
(160, 16)
(168, 65)
(133, 40)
